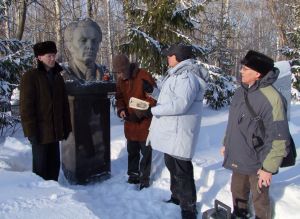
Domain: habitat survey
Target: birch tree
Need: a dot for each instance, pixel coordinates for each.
(22, 9)
(4, 18)
(58, 28)
(109, 28)
(279, 22)
(89, 7)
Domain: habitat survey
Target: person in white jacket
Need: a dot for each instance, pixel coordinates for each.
(176, 122)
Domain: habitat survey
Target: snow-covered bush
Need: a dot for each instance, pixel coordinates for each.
(295, 69)
(220, 87)
(292, 52)
(15, 57)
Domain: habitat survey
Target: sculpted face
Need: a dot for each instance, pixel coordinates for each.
(84, 45)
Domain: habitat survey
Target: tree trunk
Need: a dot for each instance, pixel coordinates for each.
(58, 30)
(21, 19)
(89, 6)
(278, 22)
(6, 22)
(109, 35)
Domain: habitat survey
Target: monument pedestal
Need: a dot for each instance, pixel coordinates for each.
(86, 152)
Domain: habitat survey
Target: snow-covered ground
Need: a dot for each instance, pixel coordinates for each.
(25, 195)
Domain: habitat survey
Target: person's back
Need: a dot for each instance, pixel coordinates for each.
(185, 110)
(176, 122)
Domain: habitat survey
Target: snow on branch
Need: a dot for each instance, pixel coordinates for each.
(154, 43)
(187, 7)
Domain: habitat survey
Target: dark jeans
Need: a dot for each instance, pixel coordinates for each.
(46, 160)
(241, 185)
(136, 167)
(182, 182)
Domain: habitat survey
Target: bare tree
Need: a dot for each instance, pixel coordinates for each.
(58, 29)
(109, 28)
(21, 18)
(6, 19)
(89, 7)
(279, 22)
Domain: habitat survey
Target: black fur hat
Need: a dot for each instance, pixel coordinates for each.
(258, 62)
(181, 51)
(43, 48)
(121, 63)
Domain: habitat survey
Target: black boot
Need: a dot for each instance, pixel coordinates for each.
(133, 180)
(144, 185)
(188, 214)
(240, 214)
(172, 200)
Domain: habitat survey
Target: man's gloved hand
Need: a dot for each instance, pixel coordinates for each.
(132, 117)
(147, 87)
(143, 113)
(66, 135)
(33, 140)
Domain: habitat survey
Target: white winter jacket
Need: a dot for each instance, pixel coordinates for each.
(176, 118)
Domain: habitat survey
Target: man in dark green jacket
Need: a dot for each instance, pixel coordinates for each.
(44, 110)
(252, 155)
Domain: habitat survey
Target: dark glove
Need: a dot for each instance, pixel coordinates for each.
(132, 118)
(143, 113)
(33, 140)
(147, 87)
(66, 135)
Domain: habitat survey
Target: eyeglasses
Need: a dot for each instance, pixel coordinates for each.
(245, 68)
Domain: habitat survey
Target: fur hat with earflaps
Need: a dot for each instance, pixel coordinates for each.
(258, 62)
(43, 48)
(121, 63)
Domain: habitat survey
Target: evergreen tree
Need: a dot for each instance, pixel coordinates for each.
(160, 23)
(220, 87)
(15, 57)
(293, 50)
(219, 33)
(155, 24)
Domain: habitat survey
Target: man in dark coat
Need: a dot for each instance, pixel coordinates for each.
(130, 84)
(253, 156)
(44, 110)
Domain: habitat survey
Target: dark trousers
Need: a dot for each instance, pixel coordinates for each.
(46, 160)
(136, 167)
(182, 182)
(241, 185)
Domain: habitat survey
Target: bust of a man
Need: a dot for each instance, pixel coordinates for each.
(82, 40)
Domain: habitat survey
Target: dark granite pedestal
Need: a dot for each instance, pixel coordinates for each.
(86, 152)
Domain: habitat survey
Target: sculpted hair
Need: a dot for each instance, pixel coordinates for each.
(68, 34)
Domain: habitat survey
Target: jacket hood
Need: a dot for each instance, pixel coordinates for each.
(190, 65)
(270, 77)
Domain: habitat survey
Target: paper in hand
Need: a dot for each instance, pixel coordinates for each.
(139, 104)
